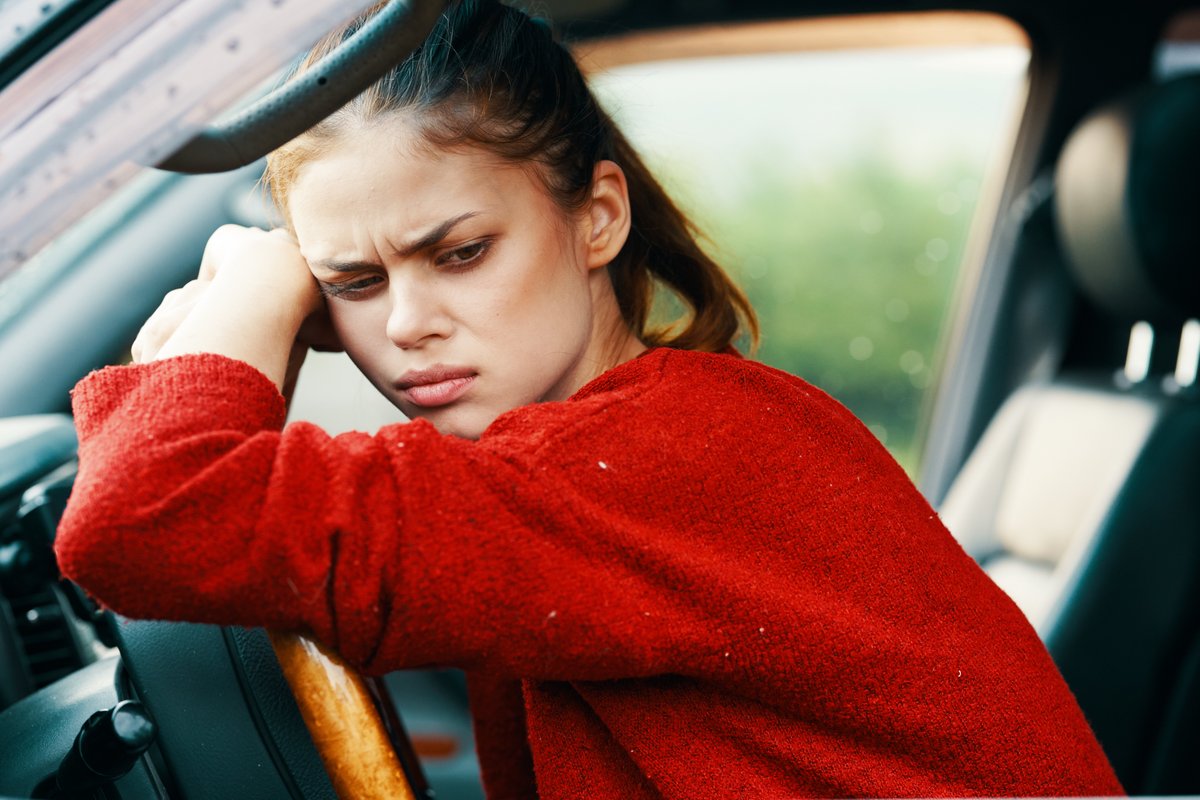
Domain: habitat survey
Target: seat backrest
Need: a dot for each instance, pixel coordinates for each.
(1082, 499)
(1039, 484)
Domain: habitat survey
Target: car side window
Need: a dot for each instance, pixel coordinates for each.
(1178, 52)
(842, 170)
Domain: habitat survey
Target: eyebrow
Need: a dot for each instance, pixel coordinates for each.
(429, 239)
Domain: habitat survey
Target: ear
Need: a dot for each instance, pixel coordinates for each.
(608, 219)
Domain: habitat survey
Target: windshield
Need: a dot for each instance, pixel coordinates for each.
(126, 90)
(31, 28)
(20, 288)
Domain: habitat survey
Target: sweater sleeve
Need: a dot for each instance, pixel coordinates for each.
(407, 548)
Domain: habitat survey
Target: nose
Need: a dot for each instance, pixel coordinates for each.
(416, 315)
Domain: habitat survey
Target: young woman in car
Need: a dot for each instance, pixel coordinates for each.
(668, 571)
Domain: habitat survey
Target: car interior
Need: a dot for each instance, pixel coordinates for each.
(1059, 442)
(1078, 499)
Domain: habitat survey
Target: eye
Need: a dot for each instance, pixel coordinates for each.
(465, 256)
(352, 289)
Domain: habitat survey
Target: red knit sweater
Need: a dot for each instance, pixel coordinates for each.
(698, 577)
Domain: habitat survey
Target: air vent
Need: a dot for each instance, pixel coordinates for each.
(45, 635)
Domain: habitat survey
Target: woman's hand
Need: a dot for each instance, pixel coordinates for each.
(252, 297)
(173, 309)
(256, 257)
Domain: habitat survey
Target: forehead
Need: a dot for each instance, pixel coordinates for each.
(384, 180)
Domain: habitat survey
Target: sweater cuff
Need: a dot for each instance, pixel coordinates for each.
(205, 389)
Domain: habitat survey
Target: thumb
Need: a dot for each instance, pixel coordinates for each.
(318, 333)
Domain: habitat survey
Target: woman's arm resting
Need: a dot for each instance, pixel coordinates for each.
(402, 549)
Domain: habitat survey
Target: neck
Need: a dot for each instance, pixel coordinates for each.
(611, 343)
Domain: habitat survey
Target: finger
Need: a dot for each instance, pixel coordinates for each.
(216, 251)
(155, 333)
(187, 294)
(166, 319)
(212, 253)
(285, 234)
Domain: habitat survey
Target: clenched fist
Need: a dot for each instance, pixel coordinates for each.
(254, 300)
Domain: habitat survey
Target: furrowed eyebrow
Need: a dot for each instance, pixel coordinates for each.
(425, 241)
(343, 266)
(434, 236)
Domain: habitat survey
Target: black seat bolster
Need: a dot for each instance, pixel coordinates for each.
(1174, 767)
(1124, 627)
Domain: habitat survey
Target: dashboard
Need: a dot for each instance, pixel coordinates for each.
(225, 723)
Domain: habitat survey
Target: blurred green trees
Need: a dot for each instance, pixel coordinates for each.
(852, 276)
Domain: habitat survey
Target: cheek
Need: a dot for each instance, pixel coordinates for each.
(551, 290)
(361, 327)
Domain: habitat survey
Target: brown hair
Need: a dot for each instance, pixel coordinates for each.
(489, 75)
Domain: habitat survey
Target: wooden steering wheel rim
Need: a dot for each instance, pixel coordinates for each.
(346, 727)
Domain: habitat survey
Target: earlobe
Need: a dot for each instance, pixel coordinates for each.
(608, 215)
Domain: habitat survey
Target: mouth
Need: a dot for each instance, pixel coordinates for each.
(436, 386)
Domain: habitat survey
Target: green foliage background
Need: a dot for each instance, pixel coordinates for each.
(852, 274)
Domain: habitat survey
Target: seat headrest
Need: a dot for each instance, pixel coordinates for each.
(1127, 202)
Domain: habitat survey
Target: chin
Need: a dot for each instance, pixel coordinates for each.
(465, 423)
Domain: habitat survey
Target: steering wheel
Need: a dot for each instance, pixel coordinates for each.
(227, 721)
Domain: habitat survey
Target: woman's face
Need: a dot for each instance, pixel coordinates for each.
(453, 280)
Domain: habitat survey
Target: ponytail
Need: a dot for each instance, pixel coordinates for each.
(662, 249)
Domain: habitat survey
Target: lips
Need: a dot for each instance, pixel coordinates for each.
(437, 386)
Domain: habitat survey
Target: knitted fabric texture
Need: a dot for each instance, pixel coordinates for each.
(698, 577)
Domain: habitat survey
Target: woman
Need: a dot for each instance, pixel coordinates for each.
(667, 571)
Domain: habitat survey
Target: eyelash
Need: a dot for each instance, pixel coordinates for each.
(477, 250)
(348, 289)
(354, 289)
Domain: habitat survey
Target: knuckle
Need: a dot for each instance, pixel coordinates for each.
(228, 229)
